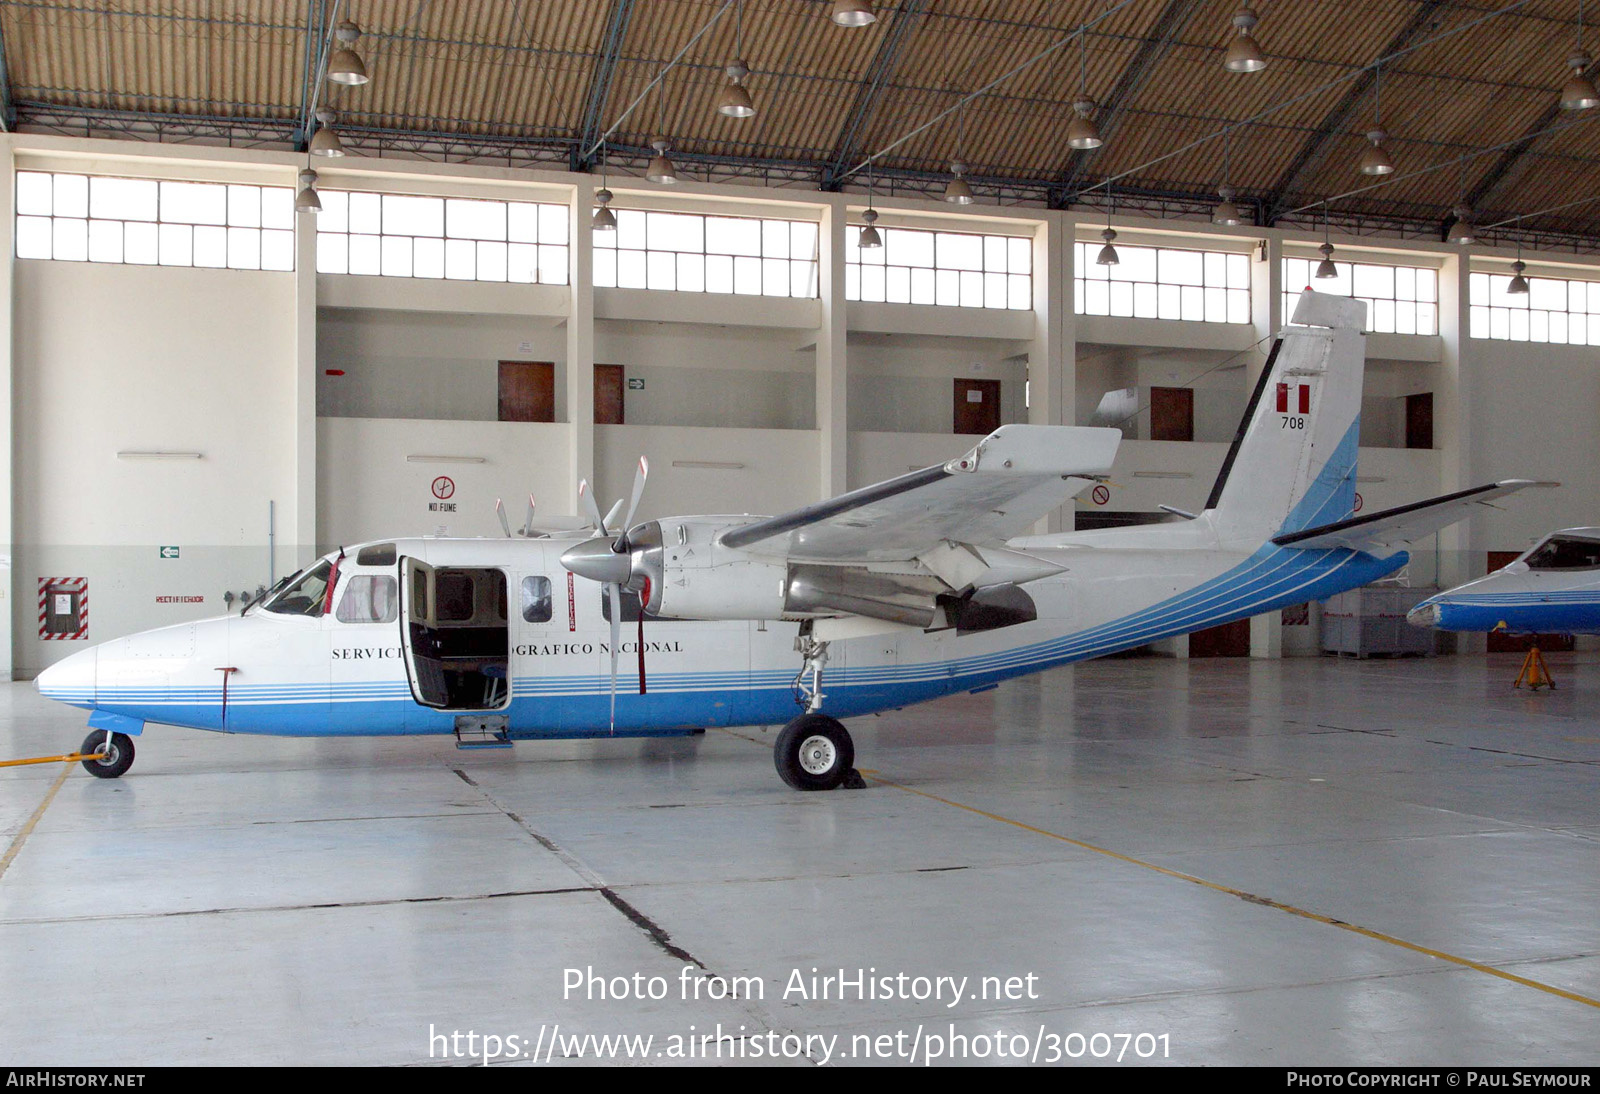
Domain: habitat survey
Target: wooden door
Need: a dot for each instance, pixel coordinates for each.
(977, 408)
(1500, 642)
(527, 391)
(1172, 414)
(1419, 420)
(609, 383)
(1223, 640)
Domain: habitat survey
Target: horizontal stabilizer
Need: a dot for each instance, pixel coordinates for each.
(1405, 524)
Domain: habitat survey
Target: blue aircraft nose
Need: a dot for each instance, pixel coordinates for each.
(72, 679)
(1426, 614)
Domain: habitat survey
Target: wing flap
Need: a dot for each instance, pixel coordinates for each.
(1405, 524)
(999, 489)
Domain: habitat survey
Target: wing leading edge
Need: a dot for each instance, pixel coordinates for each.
(1014, 476)
(1405, 524)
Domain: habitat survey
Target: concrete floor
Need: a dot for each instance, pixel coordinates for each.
(1296, 862)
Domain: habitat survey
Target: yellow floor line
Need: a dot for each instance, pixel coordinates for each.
(1264, 902)
(27, 829)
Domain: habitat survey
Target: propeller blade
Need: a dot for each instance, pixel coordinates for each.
(500, 511)
(591, 508)
(639, 478)
(611, 518)
(644, 595)
(527, 525)
(614, 592)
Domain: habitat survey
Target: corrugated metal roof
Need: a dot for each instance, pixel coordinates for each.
(527, 70)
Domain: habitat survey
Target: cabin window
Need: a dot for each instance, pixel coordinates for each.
(368, 599)
(377, 554)
(536, 606)
(1560, 553)
(305, 594)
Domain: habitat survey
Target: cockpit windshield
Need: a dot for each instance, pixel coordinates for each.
(1565, 553)
(304, 594)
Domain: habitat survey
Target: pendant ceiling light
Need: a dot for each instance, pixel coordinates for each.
(1375, 161)
(1519, 284)
(325, 142)
(307, 201)
(870, 238)
(735, 101)
(1579, 92)
(1226, 212)
(1462, 232)
(1244, 52)
(661, 169)
(1326, 270)
(957, 192)
(1108, 254)
(345, 66)
(604, 219)
(853, 13)
(1082, 133)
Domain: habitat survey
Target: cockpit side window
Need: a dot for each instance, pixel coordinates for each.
(305, 594)
(368, 598)
(1566, 553)
(536, 606)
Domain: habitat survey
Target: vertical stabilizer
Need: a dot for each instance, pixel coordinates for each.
(1292, 464)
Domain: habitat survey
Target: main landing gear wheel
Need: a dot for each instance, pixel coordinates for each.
(815, 752)
(118, 749)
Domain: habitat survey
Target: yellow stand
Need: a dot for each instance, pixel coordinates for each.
(1534, 672)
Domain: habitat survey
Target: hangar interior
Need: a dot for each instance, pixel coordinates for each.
(210, 384)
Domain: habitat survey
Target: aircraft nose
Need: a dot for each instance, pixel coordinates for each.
(1425, 614)
(72, 679)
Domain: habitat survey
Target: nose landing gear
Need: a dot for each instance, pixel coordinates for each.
(116, 751)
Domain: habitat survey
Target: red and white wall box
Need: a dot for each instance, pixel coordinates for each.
(63, 608)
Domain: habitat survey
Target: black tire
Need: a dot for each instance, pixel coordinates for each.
(814, 752)
(119, 755)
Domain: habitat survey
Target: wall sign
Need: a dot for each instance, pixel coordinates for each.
(169, 552)
(635, 385)
(63, 608)
(1100, 495)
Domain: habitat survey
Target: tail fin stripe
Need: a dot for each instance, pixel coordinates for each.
(1244, 424)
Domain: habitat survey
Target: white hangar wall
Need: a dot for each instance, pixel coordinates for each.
(340, 398)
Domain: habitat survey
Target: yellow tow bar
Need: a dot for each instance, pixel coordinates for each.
(71, 757)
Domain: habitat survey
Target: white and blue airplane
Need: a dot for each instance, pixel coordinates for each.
(921, 586)
(1553, 588)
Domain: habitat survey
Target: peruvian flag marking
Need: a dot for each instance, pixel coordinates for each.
(1302, 398)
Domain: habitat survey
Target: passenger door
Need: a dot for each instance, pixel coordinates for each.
(419, 633)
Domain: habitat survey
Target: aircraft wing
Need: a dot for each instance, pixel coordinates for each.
(1014, 476)
(1405, 524)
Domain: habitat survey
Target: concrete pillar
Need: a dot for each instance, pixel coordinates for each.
(833, 367)
(8, 589)
(1052, 354)
(1266, 314)
(1460, 558)
(296, 518)
(580, 341)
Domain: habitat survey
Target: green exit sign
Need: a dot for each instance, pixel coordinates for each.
(635, 385)
(169, 552)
